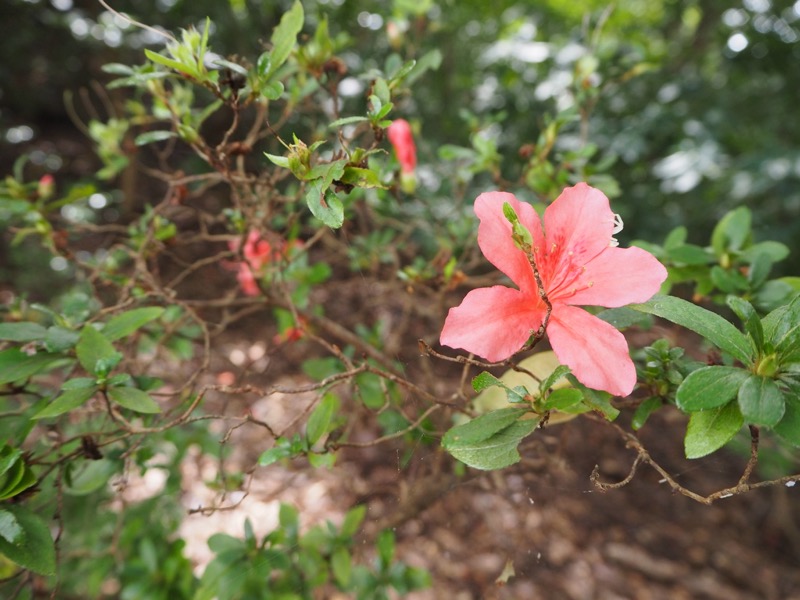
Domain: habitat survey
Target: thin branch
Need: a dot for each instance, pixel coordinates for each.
(137, 23)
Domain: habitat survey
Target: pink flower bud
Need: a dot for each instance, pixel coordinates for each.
(47, 186)
(402, 140)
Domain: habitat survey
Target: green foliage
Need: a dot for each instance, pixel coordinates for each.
(286, 563)
(247, 241)
(490, 441)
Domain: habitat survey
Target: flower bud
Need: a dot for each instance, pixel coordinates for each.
(47, 186)
(402, 140)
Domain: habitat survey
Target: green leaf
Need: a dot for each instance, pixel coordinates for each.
(8, 458)
(774, 250)
(689, 254)
(93, 348)
(730, 281)
(151, 137)
(485, 380)
(428, 61)
(708, 324)
(491, 440)
(288, 516)
(133, 399)
(597, 401)
(14, 486)
(272, 90)
(761, 401)
(222, 542)
(34, 550)
(59, 339)
(284, 37)
(352, 520)
(363, 178)
(789, 426)
(782, 330)
(710, 430)
(10, 529)
(341, 565)
(385, 545)
(759, 270)
(126, 323)
(90, 476)
(549, 381)
(676, 237)
(78, 383)
(752, 323)
(482, 427)
(623, 317)
(65, 402)
(325, 205)
(16, 365)
(644, 410)
(320, 420)
(732, 231)
(22, 332)
(347, 121)
(166, 62)
(12, 479)
(235, 67)
(563, 399)
(273, 455)
(709, 387)
(281, 161)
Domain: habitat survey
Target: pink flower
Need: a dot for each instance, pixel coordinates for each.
(402, 140)
(579, 264)
(46, 187)
(257, 253)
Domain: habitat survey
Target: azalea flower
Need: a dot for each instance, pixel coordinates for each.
(258, 254)
(579, 264)
(402, 140)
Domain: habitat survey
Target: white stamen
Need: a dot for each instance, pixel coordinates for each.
(618, 224)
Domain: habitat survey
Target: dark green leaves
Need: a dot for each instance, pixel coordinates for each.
(320, 420)
(133, 399)
(16, 365)
(709, 387)
(761, 401)
(490, 441)
(65, 402)
(22, 332)
(95, 352)
(33, 547)
(321, 199)
(284, 37)
(710, 325)
(710, 430)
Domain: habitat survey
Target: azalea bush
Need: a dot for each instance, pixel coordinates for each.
(403, 297)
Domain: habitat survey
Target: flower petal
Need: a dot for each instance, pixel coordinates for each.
(578, 225)
(619, 276)
(595, 351)
(494, 236)
(491, 322)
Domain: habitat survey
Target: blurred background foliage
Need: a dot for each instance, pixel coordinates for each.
(693, 101)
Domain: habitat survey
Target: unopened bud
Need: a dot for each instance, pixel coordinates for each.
(47, 186)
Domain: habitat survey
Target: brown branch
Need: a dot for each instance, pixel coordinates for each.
(643, 456)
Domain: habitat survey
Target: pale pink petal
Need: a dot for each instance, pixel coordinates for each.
(619, 276)
(578, 225)
(595, 351)
(247, 281)
(494, 236)
(492, 322)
